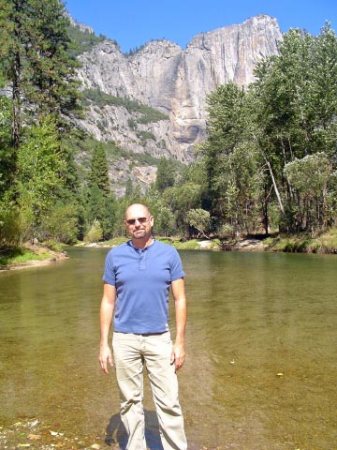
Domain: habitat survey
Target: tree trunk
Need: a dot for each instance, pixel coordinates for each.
(278, 196)
(16, 123)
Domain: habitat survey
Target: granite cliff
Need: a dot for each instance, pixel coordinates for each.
(172, 80)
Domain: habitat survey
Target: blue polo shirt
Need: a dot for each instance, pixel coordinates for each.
(142, 278)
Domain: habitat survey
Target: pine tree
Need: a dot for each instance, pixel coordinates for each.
(35, 59)
(98, 175)
(51, 78)
(13, 42)
(100, 202)
(166, 174)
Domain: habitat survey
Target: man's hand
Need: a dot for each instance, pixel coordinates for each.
(178, 353)
(178, 356)
(105, 358)
(106, 311)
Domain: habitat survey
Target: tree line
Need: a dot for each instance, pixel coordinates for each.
(268, 163)
(270, 156)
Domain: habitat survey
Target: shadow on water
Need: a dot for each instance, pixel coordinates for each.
(116, 433)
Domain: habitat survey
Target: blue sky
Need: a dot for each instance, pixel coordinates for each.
(133, 22)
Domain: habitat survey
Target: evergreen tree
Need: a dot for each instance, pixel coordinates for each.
(101, 203)
(35, 60)
(166, 174)
(51, 81)
(98, 175)
(13, 44)
(7, 168)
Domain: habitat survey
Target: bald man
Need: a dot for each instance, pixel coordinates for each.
(137, 278)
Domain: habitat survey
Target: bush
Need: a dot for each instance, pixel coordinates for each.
(10, 231)
(95, 232)
(61, 223)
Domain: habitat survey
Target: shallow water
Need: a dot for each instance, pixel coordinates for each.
(261, 369)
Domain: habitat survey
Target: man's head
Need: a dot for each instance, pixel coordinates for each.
(139, 222)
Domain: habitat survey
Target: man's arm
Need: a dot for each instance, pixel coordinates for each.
(178, 291)
(107, 308)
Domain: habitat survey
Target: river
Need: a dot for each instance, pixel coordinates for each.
(261, 369)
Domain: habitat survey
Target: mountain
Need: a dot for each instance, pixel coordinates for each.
(153, 100)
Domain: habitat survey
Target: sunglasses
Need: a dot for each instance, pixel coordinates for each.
(138, 219)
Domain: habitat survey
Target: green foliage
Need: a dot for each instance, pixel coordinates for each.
(180, 199)
(165, 223)
(95, 232)
(271, 149)
(35, 61)
(146, 113)
(166, 174)
(98, 202)
(40, 165)
(230, 159)
(81, 41)
(51, 81)
(99, 170)
(199, 219)
(116, 241)
(310, 174)
(7, 153)
(61, 224)
(269, 160)
(145, 135)
(191, 244)
(297, 95)
(17, 256)
(10, 231)
(45, 203)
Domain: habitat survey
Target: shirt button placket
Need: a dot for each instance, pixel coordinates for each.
(141, 262)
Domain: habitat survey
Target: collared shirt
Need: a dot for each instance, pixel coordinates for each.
(142, 278)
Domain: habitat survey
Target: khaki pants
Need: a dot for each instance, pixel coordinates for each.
(131, 353)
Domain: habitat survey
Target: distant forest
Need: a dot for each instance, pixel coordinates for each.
(268, 164)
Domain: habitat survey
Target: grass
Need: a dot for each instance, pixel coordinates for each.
(116, 241)
(191, 244)
(187, 245)
(18, 256)
(304, 243)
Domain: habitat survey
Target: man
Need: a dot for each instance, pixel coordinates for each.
(137, 279)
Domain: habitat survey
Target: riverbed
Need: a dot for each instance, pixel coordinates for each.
(261, 366)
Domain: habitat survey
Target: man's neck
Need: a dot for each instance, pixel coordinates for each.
(142, 243)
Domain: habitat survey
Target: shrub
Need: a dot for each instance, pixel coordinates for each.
(95, 232)
(9, 226)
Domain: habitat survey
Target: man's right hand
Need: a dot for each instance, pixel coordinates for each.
(105, 358)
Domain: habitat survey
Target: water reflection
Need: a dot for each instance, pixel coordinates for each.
(261, 367)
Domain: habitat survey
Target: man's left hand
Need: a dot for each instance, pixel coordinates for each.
(178, 356)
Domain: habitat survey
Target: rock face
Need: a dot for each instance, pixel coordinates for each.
(175, 81)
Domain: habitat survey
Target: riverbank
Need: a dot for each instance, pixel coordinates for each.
(30, 255)
(325, 243)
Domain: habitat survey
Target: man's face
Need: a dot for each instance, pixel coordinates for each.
(138, 222)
